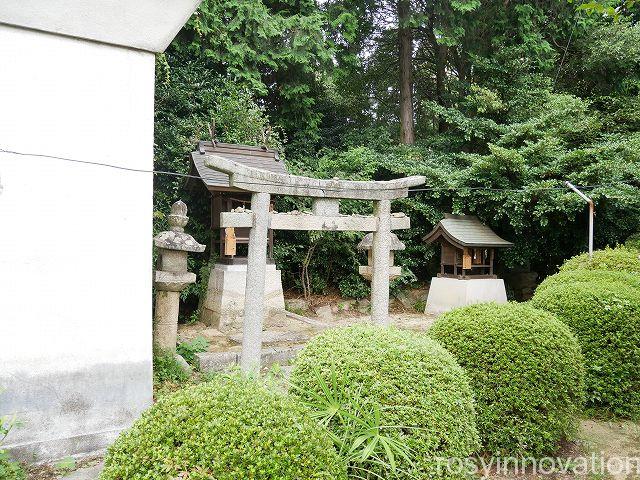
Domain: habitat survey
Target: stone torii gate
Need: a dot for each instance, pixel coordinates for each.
(325, 215)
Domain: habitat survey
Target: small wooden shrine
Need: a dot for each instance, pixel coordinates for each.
(231, 244)
(466, 264)
(467, 247)
(223, 303)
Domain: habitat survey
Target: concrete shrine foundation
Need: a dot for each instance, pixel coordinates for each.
(223, 305)
(448, 293)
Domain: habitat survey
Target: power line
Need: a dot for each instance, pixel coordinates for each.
(527, 189)
(99, 164)
(184, 175)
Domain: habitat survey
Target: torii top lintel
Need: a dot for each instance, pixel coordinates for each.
(257, 180)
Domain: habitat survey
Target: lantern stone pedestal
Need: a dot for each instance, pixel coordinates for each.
(172, 276)
(366, 244)
(223, 304)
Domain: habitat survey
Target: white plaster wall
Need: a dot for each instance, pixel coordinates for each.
(75, 240)
(144, 24)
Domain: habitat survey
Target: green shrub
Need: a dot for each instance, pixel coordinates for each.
(633, 242)
(526, 370)
(589, 276)
(188, 350)
(605, 317)
(229, 428)
(619, 259)
(354, 286)
(399, 389)
(10, 470)
(167, 369)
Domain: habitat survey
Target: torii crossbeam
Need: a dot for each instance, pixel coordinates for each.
(325, 215)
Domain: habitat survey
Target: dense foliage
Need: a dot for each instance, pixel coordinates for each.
(604, 314)
(526, 370)
(619, 259)
(409, 383)
(228, 428)
(509, 101)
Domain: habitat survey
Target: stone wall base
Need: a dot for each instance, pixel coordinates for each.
(73, 413)
(223, 305)
(448, 293)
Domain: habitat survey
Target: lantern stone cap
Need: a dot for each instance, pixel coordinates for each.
(367, 242)
(465, 231)
(176, 239)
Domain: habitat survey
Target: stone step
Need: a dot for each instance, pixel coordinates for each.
(91, 472)
(221, 361)
(270, 337)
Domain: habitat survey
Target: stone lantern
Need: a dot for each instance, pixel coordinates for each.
(366, 244)
(171, 276)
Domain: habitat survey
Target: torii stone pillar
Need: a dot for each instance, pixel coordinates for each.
(254, 293)
(380, 252)
(325, 216)
(172, 276)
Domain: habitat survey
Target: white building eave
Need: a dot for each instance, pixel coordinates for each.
(142, 24)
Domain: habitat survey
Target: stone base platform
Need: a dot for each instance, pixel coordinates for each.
(223, 305)
(448, 293)
(221, 361)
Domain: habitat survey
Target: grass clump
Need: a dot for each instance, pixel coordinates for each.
(166, 369)
(9, 469)
(188, 350)
(395, 402)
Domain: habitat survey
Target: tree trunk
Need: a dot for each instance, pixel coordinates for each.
(405, 41)
(441, 62)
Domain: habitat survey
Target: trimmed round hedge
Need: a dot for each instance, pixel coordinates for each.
(633, 241)
(229, 428)
(619, 259)
(526, 370)
(422, 394)
(604, 314)
(589, 276)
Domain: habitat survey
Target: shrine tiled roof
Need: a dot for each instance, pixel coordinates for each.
(466, 231)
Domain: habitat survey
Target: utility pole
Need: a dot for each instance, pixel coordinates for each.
(591, 214)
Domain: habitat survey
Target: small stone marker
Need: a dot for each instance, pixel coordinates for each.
(172, 276)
